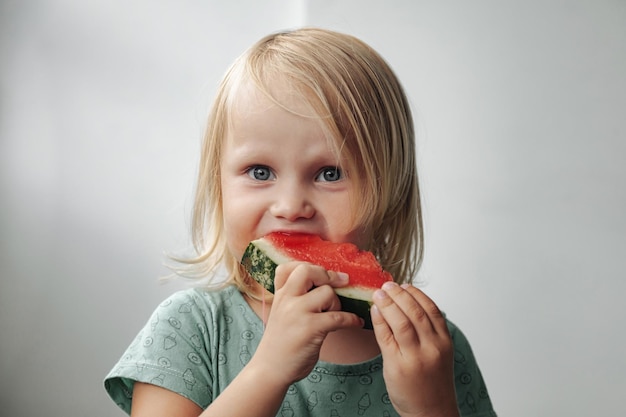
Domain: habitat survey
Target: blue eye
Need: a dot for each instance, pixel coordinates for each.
(260, 173)
(329, 174)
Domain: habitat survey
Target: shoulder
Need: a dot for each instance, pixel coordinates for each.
(200, 296)
(471, 390)
(458, 337)
(178, 348)
(211, 310)
(463, 354)
(199, 301)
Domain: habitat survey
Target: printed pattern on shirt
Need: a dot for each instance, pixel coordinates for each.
(197, 341)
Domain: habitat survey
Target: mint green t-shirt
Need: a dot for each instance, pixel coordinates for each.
(198, 340)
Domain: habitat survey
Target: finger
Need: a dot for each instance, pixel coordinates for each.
(313, 287)
(321, 299)
(400, 325)
(338, 279)
(382, 331)
(336, 320)
(437, 319)
(282, 272)
(313, 284)
(411, 307)
(301, 277)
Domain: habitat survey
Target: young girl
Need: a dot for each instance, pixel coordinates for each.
(310, 132)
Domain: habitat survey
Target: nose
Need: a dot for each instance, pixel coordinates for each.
(292, 202)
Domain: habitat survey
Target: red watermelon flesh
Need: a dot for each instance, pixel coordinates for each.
(365, 273)
(361, 266)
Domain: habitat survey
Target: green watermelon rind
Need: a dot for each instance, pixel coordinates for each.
(260, 259)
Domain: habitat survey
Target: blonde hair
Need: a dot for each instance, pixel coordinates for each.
(361, 103)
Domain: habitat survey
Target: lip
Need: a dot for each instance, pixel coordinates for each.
(293, 232)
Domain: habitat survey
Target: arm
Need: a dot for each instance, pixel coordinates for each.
(151, 400)
(263, 398)
(417, 352)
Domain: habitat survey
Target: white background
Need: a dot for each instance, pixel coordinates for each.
(521, 113)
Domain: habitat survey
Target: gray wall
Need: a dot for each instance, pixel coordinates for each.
(520, 109)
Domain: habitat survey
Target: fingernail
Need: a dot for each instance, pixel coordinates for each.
(380, 294)
(389, 285)
(343, 277)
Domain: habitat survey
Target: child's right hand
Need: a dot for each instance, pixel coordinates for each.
(304, 310)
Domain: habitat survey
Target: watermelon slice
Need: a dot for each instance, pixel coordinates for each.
(263, 255)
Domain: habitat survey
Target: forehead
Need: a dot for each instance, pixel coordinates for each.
(248, 100)
(248, 97)
(259, 121)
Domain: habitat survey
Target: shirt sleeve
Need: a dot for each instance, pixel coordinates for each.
(171, 351)
(471, 392)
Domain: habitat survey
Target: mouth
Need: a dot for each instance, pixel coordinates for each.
(294, 232)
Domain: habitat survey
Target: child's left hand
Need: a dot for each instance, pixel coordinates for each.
(417, 352)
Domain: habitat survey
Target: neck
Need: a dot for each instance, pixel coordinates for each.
(349, 346)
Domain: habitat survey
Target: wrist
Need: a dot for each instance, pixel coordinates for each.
(266, 375)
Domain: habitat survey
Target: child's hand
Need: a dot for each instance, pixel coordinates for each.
(417, 352)
(304, 310)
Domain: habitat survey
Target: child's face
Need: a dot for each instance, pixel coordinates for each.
(278, 173)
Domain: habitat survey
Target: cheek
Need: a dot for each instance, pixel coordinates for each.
(232, 197)
(236, 240)
(359, 236)
(343, 225)
(235, 248)
(359, 229)
(240, 220)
